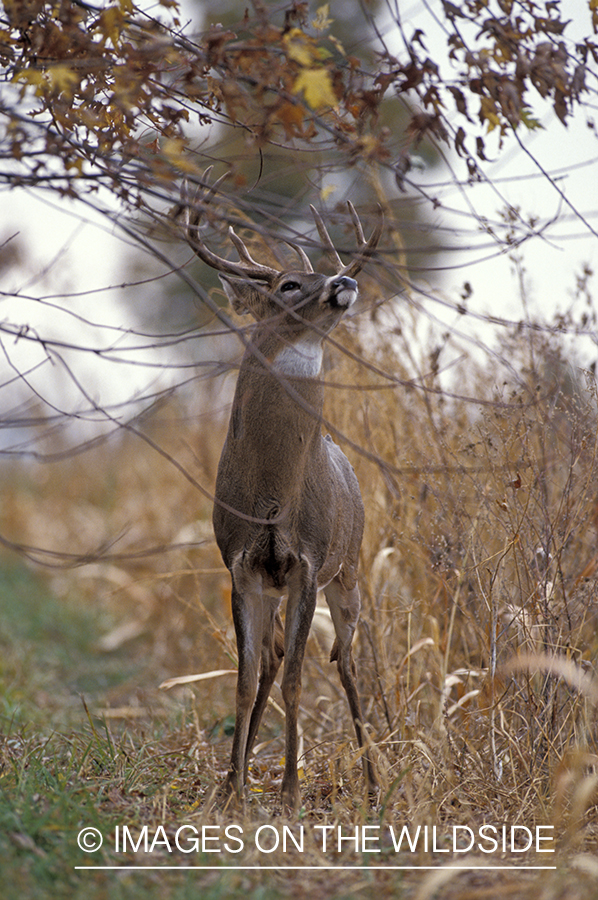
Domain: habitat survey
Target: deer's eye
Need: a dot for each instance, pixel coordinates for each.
(289, 286)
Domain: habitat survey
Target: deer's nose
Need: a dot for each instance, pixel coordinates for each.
(343, 292)
(344, 283)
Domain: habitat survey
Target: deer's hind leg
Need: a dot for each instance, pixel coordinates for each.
(344, 605)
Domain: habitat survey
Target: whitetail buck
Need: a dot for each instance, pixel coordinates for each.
(288, 515)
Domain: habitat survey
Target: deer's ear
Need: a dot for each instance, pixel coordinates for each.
(236, 291)
(243, 295)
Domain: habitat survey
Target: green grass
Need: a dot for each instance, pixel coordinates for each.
(51, 789)
(47, 657)
(63, 769)
(54, 783)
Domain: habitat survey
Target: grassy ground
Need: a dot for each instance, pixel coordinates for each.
(476, 655)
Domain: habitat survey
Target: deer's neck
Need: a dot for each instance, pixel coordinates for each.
(301, 359)
(296, 353)
(275, 425)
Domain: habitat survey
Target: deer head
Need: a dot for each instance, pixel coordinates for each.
(263, 290)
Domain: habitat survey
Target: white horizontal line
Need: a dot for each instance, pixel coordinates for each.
(322, 868)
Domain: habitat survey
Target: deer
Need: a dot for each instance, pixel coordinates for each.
(288, 515)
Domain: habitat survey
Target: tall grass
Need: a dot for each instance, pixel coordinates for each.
(479, 638)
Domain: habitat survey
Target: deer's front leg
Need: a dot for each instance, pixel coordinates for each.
(247, 619)
(301, 605)
(272, 653)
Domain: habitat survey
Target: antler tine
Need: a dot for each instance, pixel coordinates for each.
(365, 249)
(307, 266)
(245, 256)
(329, 247)
(356, 223)
(247, 267)
(197, 202)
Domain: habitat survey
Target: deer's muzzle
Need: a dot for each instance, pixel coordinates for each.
(343, 291)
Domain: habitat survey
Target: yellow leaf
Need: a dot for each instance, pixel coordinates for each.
(174, 150)
(33, 77)
(322, 20)
(336, 43)
(488, 113)
(76, 163)
(316, 86)
(110, 23)
(63, 80)
(300, 47)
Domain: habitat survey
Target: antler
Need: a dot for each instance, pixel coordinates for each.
(365, 249)
(307, 266)
(247, 267)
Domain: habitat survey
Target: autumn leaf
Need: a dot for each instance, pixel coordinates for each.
(488, 113)
(529, 120)
(175, 151)
(322, 19)
(63, 80)
(291, 116)
(76, 163)
(110, 24)
(300, 48)
(316, 86)
(32, 77)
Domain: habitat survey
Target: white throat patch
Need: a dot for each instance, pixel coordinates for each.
(302, 359)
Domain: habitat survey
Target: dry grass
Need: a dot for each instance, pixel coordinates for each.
(477, 648)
